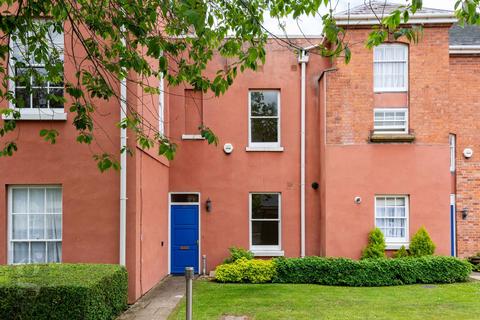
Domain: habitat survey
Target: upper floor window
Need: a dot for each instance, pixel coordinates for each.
(37, 93)
(264, 119)
(390, 120)
(391, 216)
(390, 71)
(35, 224)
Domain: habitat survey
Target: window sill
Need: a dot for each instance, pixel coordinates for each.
(264, 149)
(39, 114)
(396, 246)
(268, 253)
(192, 137)
(391, 137)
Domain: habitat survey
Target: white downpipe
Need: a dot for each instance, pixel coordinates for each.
(123, 172)
(303, 59)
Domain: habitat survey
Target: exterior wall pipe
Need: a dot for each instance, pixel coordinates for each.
(123, 172)
(303, 60)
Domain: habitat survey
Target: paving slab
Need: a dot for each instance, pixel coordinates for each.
(475, 275)
(158, 303)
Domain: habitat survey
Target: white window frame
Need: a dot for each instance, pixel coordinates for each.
(391, 129)
(266, 250)
(34, 113)
(161, 106)
(264, 146)
(10, 220)
(394, 243)
(392, 89)
(452, 141)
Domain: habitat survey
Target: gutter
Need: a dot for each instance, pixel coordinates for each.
(371, 19)
(464, 49)
(303, 60)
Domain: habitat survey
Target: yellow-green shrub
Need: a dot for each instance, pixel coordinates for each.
(244, 270)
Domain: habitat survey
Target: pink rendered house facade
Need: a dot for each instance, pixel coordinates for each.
(313, 154)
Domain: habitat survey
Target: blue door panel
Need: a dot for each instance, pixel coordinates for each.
(184, 246)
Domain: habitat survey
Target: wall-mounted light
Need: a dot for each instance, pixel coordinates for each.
(464, 213)
(208, 205)
(315, 185)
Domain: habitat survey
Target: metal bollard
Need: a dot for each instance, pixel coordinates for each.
(204, 264)
(189, 273)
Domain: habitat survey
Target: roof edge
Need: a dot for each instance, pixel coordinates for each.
(371, 19)
(464, 49)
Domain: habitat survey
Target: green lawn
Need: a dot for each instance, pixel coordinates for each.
(287, 301)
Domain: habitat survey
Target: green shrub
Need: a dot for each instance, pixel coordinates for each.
(421, 244)
(62, 291)
(376, 245)
(401, 253)
(371, 272)
(244, 270)
(238, 253)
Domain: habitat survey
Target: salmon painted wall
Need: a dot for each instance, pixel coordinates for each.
(228, 179)
(368, 170)
(356, 167)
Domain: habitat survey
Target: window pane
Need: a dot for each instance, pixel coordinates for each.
(54, 252)
(264, 103)
(20, 252)
(19, 198)
(264, 130)
(54, 226)
(264, 233)
(37, 200)
(176, 197)
(39, 76)
(19, 226)
(54, 200)
(264, 206)
(37, 226)
(40, 98)
(38, 252)
(22, 98)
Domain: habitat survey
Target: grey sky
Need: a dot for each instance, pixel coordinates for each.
(312, 25)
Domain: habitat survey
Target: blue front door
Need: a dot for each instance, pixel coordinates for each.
(184, 234)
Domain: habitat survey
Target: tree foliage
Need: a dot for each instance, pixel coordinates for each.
(174, 40)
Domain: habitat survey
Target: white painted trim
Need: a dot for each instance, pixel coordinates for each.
(264, 149)
(379, 131)
(192, 137)
(452, 142)
(38, 114)
(395, 243)
(268, 253)
(464, 49)
(371, 19)
(170, 203)
(264, 145)
(269, 249)
(161, 106)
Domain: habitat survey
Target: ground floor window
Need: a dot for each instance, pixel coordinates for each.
(35, 224)
(391, 216)
(265, 218)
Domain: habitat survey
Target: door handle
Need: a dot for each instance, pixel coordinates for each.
(184, 247)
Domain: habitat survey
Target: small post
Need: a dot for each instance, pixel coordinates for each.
(189, 273)
(204, 264)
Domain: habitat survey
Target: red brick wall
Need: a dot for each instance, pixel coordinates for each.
(464, 121)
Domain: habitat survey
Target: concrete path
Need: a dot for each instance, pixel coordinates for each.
(475, 275)
(158, 303)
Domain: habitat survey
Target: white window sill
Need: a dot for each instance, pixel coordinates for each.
(390, 90)
(39, 114)
(264, 149)
(268, 253)
(192, 137)
(396, 246)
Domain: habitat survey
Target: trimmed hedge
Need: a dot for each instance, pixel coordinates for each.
(62, 291)
(246, 270)
(371, 272)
